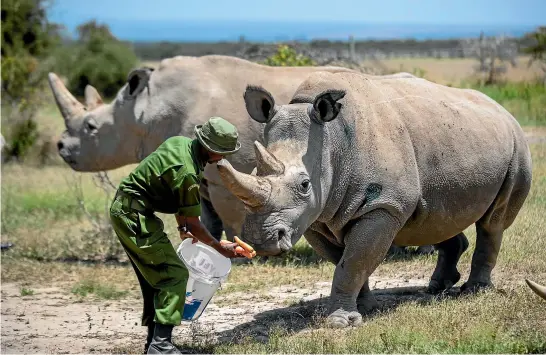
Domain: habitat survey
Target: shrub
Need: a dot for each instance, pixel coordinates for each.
(288, 57)
(100, 60)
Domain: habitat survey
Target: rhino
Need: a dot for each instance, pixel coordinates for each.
(355, 163)
(156, 104)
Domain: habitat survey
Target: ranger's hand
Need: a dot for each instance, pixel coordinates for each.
(226, 249)
(188, 235)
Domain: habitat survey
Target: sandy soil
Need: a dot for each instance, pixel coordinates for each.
(54, 321)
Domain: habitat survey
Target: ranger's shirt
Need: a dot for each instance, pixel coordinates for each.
(167, 180)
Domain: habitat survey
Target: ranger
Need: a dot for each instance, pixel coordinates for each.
(167, 181)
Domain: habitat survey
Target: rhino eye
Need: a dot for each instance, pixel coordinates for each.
(305, 186)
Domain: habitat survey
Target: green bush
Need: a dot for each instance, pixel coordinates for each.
(98, 59)
(288, 57)
(27, 41)
(526, 101)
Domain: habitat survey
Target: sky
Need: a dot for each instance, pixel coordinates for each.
(211, 20)
(522, 12)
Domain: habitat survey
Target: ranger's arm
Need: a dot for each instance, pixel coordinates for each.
(186, 188)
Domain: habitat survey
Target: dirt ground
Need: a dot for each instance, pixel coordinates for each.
(54, 321)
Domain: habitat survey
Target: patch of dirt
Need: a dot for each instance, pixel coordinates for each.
(54, 321)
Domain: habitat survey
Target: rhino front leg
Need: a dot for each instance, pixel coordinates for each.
(366, 244)
(365, 301)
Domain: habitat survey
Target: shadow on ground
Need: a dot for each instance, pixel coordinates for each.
(306, 315)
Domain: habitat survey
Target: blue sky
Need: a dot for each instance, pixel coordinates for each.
(482, 12)
(211, 20)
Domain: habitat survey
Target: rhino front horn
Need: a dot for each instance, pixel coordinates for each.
(266, 163)
(66, 102)
(538, 289)
(252, 190)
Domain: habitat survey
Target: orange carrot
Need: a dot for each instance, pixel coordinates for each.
(244, 245)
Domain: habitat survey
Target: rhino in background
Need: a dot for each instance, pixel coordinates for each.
(357, 163)
(156, 104)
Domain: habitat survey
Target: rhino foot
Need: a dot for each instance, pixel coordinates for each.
(470, 287)
(438, 286)
(343, 319)
(367, 305)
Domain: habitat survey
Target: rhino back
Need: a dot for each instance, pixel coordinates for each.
(438, 155)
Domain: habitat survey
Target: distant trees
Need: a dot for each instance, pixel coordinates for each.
(28, 40)
(98, 58)
(492, 54)
(537, 49)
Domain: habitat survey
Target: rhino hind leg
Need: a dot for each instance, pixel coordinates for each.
(499, 216)
(445, 274)
(483, 260)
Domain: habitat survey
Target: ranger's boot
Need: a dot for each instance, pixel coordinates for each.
(151, 327)
(161, 341)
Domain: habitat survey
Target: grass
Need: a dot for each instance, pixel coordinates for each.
(526, 101)
(42, 217)
(26, 291)
(488, 323)
(99, 289)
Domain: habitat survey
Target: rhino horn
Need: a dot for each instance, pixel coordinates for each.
(66, 102)
(538, 289)
(92, 98)
(254, 191)
(266, 163)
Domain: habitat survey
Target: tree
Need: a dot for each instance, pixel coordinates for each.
(99, 59)
(27, 41)
(538, 49)
(492, 53)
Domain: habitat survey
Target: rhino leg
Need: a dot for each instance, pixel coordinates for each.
(488, 244)
(210, 219)
(446, 274)
(366, 244)
(322, 246)
(365, 301)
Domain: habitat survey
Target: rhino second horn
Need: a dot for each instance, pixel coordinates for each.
(66, 102)
(538, 289)
(252, 190)
(266, 163)
(92, 98)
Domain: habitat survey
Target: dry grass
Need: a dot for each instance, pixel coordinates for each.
(40, 215)
(456, 71)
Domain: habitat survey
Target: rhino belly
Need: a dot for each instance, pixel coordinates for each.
(444, 212)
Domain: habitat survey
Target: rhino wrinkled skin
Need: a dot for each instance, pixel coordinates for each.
(356, 163)
(156, 104)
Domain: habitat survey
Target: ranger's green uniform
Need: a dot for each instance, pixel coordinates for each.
(166, 181)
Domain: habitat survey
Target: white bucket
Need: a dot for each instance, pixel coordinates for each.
(207, 270)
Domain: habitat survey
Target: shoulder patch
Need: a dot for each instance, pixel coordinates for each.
(193, 186)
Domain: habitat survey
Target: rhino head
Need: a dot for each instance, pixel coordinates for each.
(291, 183)
(101, 136)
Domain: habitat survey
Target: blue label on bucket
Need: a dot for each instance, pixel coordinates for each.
(190, 308)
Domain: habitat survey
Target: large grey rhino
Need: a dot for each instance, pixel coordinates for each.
(156, 104)
(357, 163)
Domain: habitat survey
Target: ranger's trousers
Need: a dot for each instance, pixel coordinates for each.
(160, 272)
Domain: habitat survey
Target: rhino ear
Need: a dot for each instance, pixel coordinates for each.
(260, 104)
(137, 80)
(326, 107)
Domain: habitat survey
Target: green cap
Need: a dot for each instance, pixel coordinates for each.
(218, 136)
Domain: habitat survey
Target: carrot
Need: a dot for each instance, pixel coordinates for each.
(244, 245)
(239, 249)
